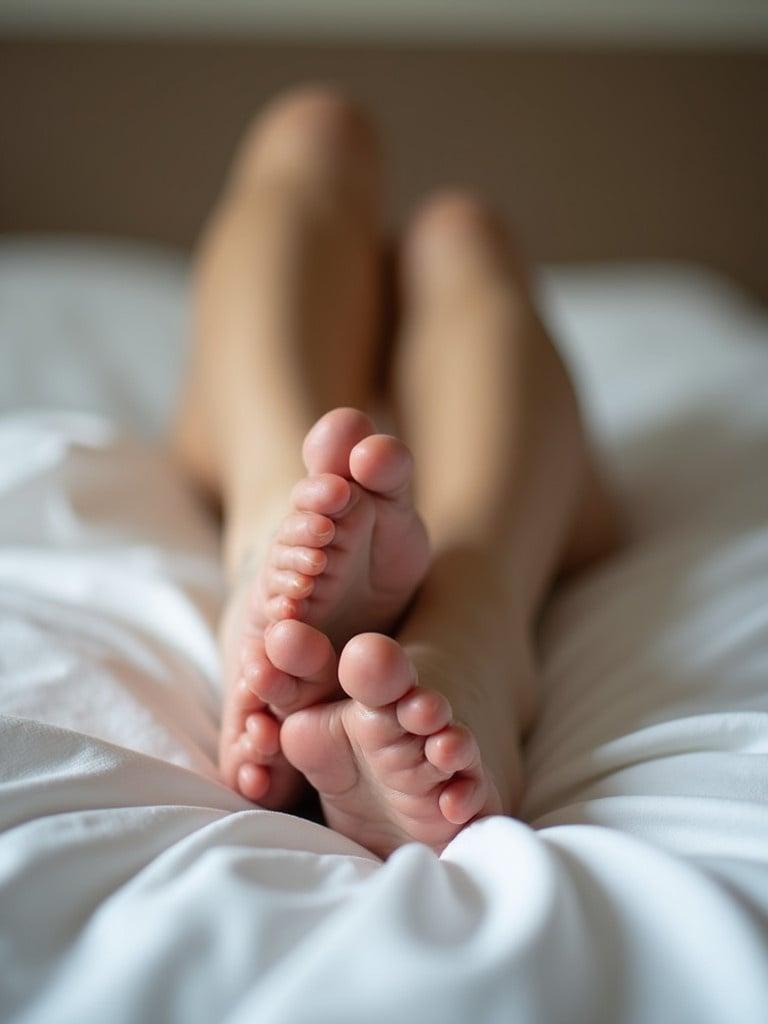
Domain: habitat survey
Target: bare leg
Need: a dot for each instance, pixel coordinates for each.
(502, 474)
(286, 293)
(505, 481)
(286, 321)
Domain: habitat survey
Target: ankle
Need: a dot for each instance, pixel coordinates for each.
(252, 512)
(476, 573)
(478, 642)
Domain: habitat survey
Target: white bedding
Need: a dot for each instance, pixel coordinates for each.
(135, 887)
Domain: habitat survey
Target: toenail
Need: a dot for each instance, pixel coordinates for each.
(312, 561)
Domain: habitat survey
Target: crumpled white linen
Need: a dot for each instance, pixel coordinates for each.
(134, 886)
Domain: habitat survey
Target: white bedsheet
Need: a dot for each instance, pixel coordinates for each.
(135, 887)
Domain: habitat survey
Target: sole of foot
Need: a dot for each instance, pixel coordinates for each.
(349, 554)
(388, 761)
(352, 549)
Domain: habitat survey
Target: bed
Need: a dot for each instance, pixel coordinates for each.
(134, 886)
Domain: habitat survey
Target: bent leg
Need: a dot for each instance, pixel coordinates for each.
(503, 472)
(286, 296)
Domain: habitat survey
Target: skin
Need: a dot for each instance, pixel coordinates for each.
(396, 678)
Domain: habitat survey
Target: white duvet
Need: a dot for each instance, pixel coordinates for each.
(135, 887)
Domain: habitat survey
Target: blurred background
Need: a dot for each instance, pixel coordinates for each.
(606, 130)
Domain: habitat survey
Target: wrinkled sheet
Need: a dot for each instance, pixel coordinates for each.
(135, 887)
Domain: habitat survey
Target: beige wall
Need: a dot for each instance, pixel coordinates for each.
(594, 154)
(658, 22)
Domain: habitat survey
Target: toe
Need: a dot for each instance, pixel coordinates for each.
(299, 649)
(309, 561)
(329, 442)
(306, 655)
(423, 712)
(375, 670)
(252, 763)
(268, 683)
(245, 747)
(290, 584)
(260, 743)
(309, 529)
(264, 732)
(280, 607)
(326, 494)
(240, 703)
(453, 749)
(462, 798)
(253, 780)
(382, 464)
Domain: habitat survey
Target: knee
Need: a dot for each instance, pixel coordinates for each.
(305, 132)
(456, 215)
(454, 224)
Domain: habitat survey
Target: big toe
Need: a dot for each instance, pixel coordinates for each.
(329, 442)
(305, 656)
(375, 670)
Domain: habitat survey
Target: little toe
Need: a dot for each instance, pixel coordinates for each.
(236, 750)
(382, 464)
(328, 444)
(279, 608)
(251, 743)
(253, 780)
(253, 763)
(325, 494)
(375, 670)
(264, 732)
(462, 798)
(288, 583)
(240, 703)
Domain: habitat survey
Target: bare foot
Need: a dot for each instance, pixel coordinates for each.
(348, 555)
(353, 549)
(265, 692)
(390, 764)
